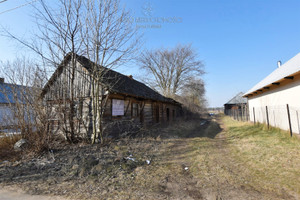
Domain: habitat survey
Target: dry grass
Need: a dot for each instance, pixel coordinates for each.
(271, 157)
(188, 161)
(38, 143)
(7, 147)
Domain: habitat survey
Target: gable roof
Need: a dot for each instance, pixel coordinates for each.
(114, 81)
(237, 99)
(287, 69)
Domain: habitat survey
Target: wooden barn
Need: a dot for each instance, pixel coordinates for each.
(238, 102)
(127, 100)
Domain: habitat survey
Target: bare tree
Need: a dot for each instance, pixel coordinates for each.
(24, 113)
(110, 40)
(171, 68)
(193, 95)
(59, 33)
(98, 29)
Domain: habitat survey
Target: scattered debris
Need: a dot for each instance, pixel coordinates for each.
(20, 145)
(186, 168)
(130, 157)
(148, 162)
(5, 162)
(202, 123)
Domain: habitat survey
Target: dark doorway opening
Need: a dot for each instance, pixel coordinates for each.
(168, 114)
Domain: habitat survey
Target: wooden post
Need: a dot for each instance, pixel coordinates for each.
(298, 121)
(289, 118)
(243, 112)
(246, 112)
(267, 117)
(233, 114)
(254, 115)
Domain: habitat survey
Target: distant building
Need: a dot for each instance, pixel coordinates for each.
(276, 99)
(237, 104)
(8, 100)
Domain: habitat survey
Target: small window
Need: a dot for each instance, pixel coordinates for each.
(117, 107)
(135, 110)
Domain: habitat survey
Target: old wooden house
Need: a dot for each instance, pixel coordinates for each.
(128, 100)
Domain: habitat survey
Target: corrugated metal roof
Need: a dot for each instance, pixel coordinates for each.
(237, 99)
(9, 93)
(290, 67)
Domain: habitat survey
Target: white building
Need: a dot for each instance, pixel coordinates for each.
(276, 99)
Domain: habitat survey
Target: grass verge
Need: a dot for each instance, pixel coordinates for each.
(270, 157)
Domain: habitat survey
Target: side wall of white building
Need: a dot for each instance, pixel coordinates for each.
(274, 104)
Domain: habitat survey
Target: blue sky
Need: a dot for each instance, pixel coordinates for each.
(239, 41)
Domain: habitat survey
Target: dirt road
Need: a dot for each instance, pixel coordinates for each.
(13, 194)
(212, 172)
(191, 160)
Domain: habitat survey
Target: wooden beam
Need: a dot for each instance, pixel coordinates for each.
(255, 92)
(266, 88)
(276, 83)
(289, 77)
(259, 90)
(127, 107)
(142, 106)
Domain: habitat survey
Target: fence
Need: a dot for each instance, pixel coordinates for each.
(240, 113)
(284, 117)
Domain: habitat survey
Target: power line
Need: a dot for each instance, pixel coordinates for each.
(16, 7)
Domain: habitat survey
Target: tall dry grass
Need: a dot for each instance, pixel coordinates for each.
(7, 148)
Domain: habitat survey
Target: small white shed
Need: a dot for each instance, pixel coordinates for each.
(276, 99)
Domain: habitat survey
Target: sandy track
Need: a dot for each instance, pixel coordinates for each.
(17, 194)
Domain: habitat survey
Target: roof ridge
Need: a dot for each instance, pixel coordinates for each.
(288, 68)
(127, 85)
(239, 95)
